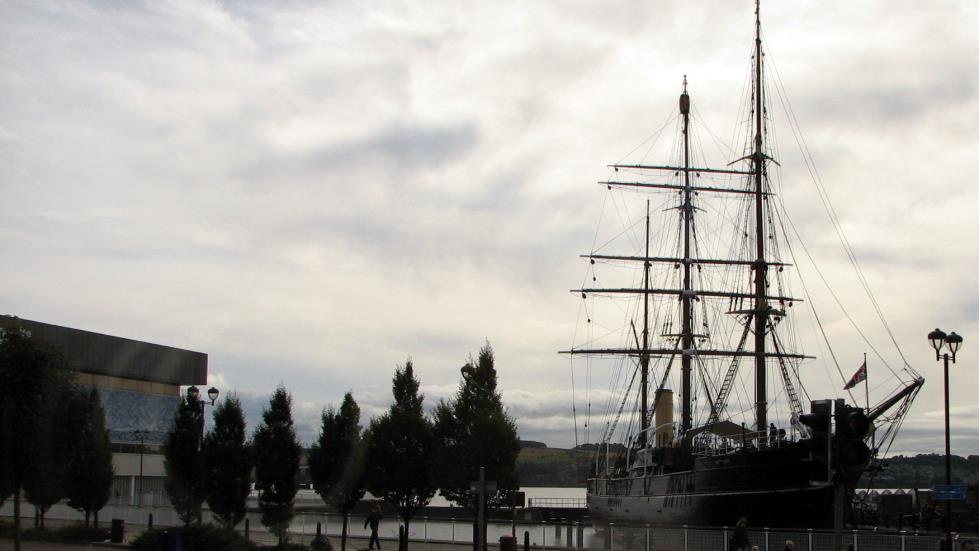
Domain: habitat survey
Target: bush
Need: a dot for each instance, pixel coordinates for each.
(37, 534)
(288, 547)
(80, 532)
(71, 532)
(320, 543)
(147, 540)
(198, 538)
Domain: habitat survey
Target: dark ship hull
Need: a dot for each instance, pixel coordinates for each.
(778, 488)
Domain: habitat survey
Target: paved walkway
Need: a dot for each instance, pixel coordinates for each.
(49, 546)
(353, 544)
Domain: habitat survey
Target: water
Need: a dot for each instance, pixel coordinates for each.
(452, 530)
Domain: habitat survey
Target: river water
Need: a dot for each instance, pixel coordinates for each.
(459, 530)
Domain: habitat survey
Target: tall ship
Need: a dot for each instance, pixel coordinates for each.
(689, 309)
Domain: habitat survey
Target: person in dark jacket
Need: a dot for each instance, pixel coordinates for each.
(374, 519)
(739, 541)
(789, 545)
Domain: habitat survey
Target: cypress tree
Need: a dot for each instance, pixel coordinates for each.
(65, 419)
(276, 463)
(227, 463)
(473, 430)
(399, 449)
(28, 372)
(336, 460)
(182, 461)
(90, 471)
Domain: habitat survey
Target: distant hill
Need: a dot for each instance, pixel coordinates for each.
(532, 444)
(924, 471)
(543, 466)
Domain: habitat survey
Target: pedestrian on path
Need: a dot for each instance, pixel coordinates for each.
(374, 520)
(739, 540)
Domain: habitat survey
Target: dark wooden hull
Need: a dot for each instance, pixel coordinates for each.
(777, 488)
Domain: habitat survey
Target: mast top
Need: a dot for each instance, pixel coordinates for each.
(684, 99)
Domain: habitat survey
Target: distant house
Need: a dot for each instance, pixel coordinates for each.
(139, 383)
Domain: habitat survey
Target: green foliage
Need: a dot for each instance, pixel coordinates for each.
(473, 430)
(68, 533)
(90, 472)
(183, 461)
(399, 449)
(276, 463)
(30, 381)
(336, 460)
(320, 543)
(47, 482)
(197, 538)
(227, 463)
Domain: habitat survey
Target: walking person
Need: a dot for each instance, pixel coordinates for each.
(739, 540)
(374, 520)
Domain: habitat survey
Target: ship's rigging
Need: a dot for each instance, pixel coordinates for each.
(714, 304)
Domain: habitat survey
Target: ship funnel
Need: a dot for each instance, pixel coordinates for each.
(664, 418)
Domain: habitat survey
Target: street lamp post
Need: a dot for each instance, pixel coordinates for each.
(141, 434)
(193, 395)
(939, 341)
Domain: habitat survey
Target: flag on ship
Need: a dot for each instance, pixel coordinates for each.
(858, 377)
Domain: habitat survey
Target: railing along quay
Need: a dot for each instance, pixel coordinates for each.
(539, 535)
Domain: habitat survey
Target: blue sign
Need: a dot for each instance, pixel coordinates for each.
(950, 492)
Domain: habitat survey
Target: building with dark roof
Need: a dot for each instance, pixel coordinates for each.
(139, 383)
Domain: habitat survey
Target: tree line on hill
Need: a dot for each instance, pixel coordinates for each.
(402, 457)
(54, 443)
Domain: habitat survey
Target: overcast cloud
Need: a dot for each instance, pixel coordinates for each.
(312, 192)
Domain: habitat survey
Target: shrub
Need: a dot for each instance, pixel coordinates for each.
(197, 538)
(320, 543)
(80, 532)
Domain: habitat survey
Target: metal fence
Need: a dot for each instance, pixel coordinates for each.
(565, 535)
(650, 538)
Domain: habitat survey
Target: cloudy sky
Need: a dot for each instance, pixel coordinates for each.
(312, 192)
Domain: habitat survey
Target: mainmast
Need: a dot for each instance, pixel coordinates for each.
(644, 355)
(761, 266)
(686, 340)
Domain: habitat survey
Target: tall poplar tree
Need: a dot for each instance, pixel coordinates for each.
(399, 449)
(29, 370)
(336, 460)
(48, 480)
(183, 462)
(473, 430)
(90, 471)
(276, 463)
(227, 463)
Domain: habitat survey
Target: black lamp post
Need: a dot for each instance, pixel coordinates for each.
(193, 395)
(141, 435)
(939, 340)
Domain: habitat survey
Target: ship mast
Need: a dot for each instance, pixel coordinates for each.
(644, 356)
(761, 266)
(687, 341)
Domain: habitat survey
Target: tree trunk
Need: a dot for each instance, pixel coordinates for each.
(407, 531)
(17, 518)
(95, 518)
(41, 514)
(343, 532)
(87, 515)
